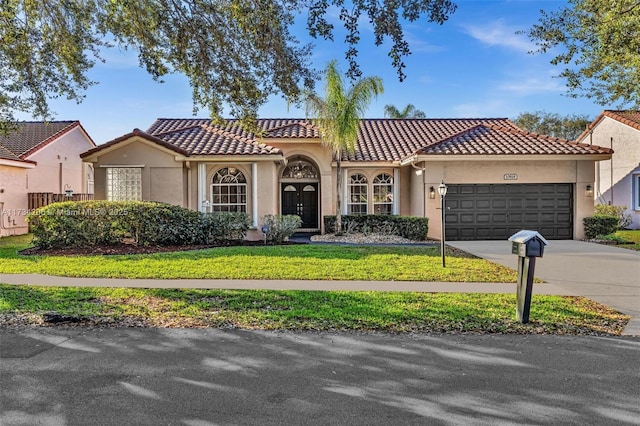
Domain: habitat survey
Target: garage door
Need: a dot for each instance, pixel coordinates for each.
(495, 212)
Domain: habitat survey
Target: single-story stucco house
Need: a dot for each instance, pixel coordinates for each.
(618, 178)
(40, 157)
(500, 178)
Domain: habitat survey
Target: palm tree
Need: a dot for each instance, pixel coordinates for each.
(337, 117)
(409, 111)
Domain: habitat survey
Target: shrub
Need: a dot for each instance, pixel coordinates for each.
(599, 225)
(76, 224)
(410, 227)
(624, 219)
(88, 223)
(222, 226)
(280, 228)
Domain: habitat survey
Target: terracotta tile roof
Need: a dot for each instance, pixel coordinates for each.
(8, 155)
(630, 118)
(135, 132)
(33, 135)
(500, 140)
(396, 139)
(201, 137)
(378, 139)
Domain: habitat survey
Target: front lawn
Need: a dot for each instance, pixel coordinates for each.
(295, 262)
(631, 237)
(305, 310)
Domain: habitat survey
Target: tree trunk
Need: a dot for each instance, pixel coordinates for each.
(338, 196)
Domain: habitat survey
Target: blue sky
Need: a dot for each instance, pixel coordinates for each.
(474, 65)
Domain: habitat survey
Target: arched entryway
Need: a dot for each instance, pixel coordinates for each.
(299, 188)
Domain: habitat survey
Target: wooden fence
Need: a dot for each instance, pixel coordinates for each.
(41, 199)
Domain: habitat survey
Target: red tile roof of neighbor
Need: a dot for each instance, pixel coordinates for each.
(378, 139)
(33, 135)
(630, 118)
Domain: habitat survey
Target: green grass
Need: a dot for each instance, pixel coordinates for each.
(309, 310)
(632, 237)
(297, 262)
(290, 310)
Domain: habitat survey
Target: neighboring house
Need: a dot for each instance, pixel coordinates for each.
(618, 179)
(500, 178)
(40, 158)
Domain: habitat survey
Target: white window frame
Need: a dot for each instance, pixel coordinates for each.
(358, 190)
(383, 193)
(123, 183)
(635, 187)
(232, 179)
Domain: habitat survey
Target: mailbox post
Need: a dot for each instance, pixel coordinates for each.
(527, 245)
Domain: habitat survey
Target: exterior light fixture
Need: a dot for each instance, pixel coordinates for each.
(68, 192)
(442, 190)
(432, 193)
(588, 191)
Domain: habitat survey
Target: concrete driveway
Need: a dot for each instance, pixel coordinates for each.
(606, 274)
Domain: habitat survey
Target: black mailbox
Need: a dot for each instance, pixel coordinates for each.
(527, 244)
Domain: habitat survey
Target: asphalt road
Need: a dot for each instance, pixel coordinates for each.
(64, 376)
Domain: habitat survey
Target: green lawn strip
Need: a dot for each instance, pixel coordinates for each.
(310, 310)
(297, 262)
(633, 238)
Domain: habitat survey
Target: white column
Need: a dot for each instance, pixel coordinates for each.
(254, 193)
(202, 177)
(395, 208)
(345, 192)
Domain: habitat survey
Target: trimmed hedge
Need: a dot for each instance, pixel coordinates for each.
(600, 224)
(410, 227)
(89, 223)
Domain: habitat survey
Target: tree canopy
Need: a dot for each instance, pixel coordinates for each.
(410, 111)
(337, 116)
(235, 53)
(545, 123)
(599, 46)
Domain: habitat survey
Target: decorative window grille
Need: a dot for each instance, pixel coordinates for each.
(229, 191)
(124, 183)
(357, 201)
(300, 169)
(383, 194)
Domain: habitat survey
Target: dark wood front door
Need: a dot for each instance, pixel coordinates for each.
(301, 199)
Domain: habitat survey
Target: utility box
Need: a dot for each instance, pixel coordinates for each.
(527, 245)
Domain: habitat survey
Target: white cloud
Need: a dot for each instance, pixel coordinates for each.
(497, 33)
(532, 86)
(483, 108)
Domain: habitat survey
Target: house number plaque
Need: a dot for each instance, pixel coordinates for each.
(510, 176)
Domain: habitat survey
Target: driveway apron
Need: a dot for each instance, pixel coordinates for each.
(609, 275)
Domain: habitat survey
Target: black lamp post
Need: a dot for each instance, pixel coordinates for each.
(442, 190)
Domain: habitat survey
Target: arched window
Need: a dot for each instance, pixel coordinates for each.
(357, 201)
(383, 194)
(300, 169)
(229, 191)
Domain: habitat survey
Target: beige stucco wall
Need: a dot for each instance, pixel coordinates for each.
(13, 200)
(614, 178)
(59, 164)
(163, 177)
(578, 172)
